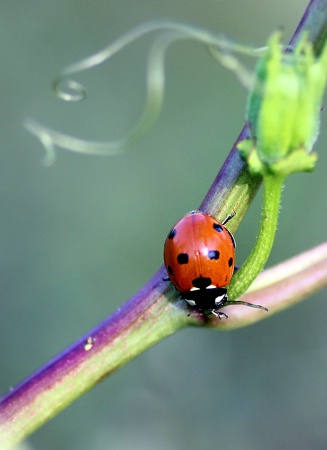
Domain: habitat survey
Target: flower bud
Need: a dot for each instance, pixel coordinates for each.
(285, 102)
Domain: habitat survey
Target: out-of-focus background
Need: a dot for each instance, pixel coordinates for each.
(77, 239)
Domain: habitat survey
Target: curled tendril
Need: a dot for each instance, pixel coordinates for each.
(70, 90)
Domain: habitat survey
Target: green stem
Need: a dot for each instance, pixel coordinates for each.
(257, 259)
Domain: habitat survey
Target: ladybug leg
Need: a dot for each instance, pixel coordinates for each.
(236, 269)
(219, 314)
(220, 301)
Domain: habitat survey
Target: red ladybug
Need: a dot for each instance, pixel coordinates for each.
(199, 256)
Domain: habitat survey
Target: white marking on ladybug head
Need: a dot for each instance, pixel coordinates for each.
(191, 302)
(211, 287)
(194, 289)
(219, 299)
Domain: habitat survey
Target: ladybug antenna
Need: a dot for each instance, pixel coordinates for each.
(228, 218)
(236, 302)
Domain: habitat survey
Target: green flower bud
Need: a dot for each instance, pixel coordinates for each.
(284, 107)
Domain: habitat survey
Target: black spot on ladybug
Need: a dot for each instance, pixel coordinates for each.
(213, 254)
(201, 282)
(182, 258)
(230, 262)
(170, 270)
(172, 233)
(218, 227)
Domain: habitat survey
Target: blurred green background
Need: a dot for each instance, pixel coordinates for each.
(79, 238)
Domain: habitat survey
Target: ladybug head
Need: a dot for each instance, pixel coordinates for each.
(205, 297)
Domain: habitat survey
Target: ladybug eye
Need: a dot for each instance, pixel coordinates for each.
(172, 233)
(218, 227)
(182, 258)
(213, 254)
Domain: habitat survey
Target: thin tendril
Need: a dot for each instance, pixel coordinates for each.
(70, 90)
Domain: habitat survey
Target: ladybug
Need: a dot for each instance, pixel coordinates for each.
(199, 256)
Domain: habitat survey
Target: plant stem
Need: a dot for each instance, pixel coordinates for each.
(280, 287)
(254, 264)
(146, 319)
(233, 189)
